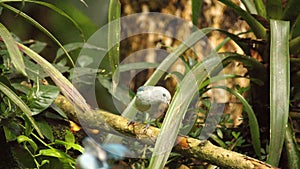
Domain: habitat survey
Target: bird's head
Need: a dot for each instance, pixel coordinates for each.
(163, 95)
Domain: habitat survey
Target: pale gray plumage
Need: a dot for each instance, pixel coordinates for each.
(149, 99)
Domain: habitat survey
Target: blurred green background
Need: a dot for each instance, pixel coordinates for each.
(90, 18)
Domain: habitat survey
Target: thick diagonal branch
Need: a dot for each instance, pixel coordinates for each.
(186, 146)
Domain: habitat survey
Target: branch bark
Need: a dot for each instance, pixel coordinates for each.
(186, 146)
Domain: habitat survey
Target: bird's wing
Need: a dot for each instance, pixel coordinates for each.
(156, 110)
(142, 105)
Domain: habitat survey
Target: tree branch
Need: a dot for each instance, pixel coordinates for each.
(186, 146)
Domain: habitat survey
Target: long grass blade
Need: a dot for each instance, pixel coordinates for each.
(291, 148)
(12, 48)
(181, 100)
(114, 29)
(279, 87)
(196, 10)
(60, 80)
(255, 69)
(239, 41)
(113, 40)
(261, 8)
(254, 127)
(250, 6)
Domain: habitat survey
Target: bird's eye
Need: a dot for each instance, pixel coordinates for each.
(164, 95)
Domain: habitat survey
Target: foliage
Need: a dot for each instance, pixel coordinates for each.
(279, 63)
(21, 103)
(27, 101)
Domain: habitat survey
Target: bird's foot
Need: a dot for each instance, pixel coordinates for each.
(146, 127)
(131, 122)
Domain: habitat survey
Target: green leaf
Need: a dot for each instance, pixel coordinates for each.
(219, 133)
(84, 20)
(236, 134)
(71, 145)
(295, 45)
(239, 41)
(69, 138)
(196, 10)
(291, 11)
(9, 134)
(38, 46)
(69, 48)
(14, 53)
(295, 31)
(218, 141)
(293, 154)
(28, 127)
(279, 87)
(23, 138)
(63, 157)
(62, 115)
(52, 153)
(113, 40)
(9, 93)
(43, 96)
(35, 71)
(218, 78)
(260, 7)
(221, 44)
(62, 82)
(120, 93)
(137, 65)
(21, 88)
(254, 128)
(256, 70)
(250, 6)
(45, 129)
(5, 81)
(114, 33)
(44, 162)
(258, 29)
(274, 9)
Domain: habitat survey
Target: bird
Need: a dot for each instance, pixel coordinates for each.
(152, 100)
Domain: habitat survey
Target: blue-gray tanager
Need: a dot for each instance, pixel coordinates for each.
(152, 100)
